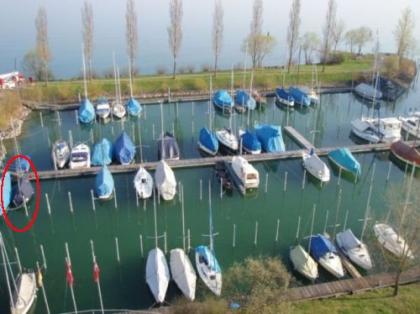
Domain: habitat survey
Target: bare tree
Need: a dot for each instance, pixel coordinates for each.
(404, 33)
(330, 22)
(350, 38)
(42, 47)
(175, 30)
(338, 33)
(131, 34)
(218, 28)
(293, 30)
(265, 45)
(253, 40)
(363, 35)
(87, 34)
(310, 43)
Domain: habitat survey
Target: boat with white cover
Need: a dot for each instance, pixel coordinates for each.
(143, 182)
(165, 181)
(354, 249)
(386, 130)
(391, 241)
(315, 166)
(245, 172)
(303, 263)
(157, 274)
(80, 157)
(25, 296)
(183, 273)
(228, 139)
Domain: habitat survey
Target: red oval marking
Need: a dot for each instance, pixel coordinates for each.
(37, 196)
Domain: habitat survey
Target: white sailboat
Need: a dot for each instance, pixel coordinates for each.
(245, 172)
(387, 130)
(80, 157)
(165, 181)
(60, 153)
(354, 249)
(103, 108)
(228, 139)
(143, 182)
(157, 271)
(391, 241)
(411, 124)
(315, 166)
(118, 109)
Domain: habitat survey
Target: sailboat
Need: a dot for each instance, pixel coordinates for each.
(386, 130)
(118, 109)
(80, 157)
(165, 181)
(228, 139)
(22, 193)
(157, 271)
(103, 109)
(207, 142)
(270, 137)
(205, 260)
(104, 184)
(283, 97)
(406, 153)
(325, 253)
(299, 96)
(168, 148)
(368, 92)
(102, 153)
(124, 149)
(86, 110)
(315, 166)
(354, 249)
(250, 142)
(134, 108)
(244, 101)
(391, 241)
(411, 124)
(344, 159)
(143, 182)
(223, 101)
(7, 192)
(60, 153)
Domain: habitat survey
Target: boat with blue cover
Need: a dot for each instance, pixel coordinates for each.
(345, 160)
(124, 149)
(104, 184)
(207, 142)
(22, 193)
(283, 97)
(134, 108)
(7, 192)
(102, 153)
(21, 165)
(301, 98)
(103, 108)
(223, 101)
(244, 101)
(271, 138)
(250, 143)
(325, 253)
(86, 111)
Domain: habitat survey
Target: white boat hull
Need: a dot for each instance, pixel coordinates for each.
(332, 263)
(157, 274)
(25, 296)
(143, 183)
(183, 273)
(213, 280)
(316, 167)
(391, 241)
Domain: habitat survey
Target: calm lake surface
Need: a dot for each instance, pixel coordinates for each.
(123, 283)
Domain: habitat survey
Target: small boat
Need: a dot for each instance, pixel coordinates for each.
(315, 166)
(103, 109)
(208, 269)
(270, 137)
(260, 100)
(25, 294)
(134, 108)
(157, 274)
(406, 153)
(367, 92)
(143, 182)
(223, 101)
(244, 101)
(411, 124)
(325, 253)
(300, 97)
(118, 110)
(245, 172)
(183, 273)
(207, 142)
(102, 153)
(363, 129)
(169, 147)
(7, 192)
(60, 153)
(22, 193)
(355, 250)
(303, 263)
(313, 96)
(228, 139)
(124, 149)
(283, 97)
(391, 241)
(345, 160)
(21, 165)
(223, 176)
(250, 143)
(165, 181)
(86, 112)
(104, 184)
(386, 130)
(80, 157)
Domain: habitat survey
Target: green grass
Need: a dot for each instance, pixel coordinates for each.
(10, 108)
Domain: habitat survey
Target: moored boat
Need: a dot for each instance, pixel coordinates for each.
(157, 274)
(345, 160)
(80, 157)
(250, 143)
(183, 273)
(25, 294)
(223, 101)
(103, 109)
(392, 241)
(124, 149)
(228, 139)
(315, 166)
(60, 153)
(283, 97)
(406, 153)
(207, 142)
(22, 193)
(367, 92)
(86, 112)
(386, 130)
(325, 253)
(244, 101)
(168, 148)
(102, 153)
(208, 269)
(303, 263)
(104, 184)
(134, 108)
(118, 110)
(270, 137)
(300, 97)
(411, 124)
(245, 172)
(354, 249)
(143, 182)
(165, 181)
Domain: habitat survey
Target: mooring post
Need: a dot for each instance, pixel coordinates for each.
(92, 196)
(44, 260)
(117, 249)
(92, 139)
(234, 236)
(41, 119)
(389, 171)
(70, 138)
(256, 234)
(18, 260)
(277, 230)
(165, 243)
(70, 202)
(137, 199)
(115, 198)
(44, 294)
(192, 109)
(141, 245)
(76, 116)
(339, 177)
(58, 117)
(96, 277)
(153, 131)
(201, 189)
(189, 239)
(221, 188)
(285, 182)
(304, 179)
(133, 132)
(266, 182)
(26, 208)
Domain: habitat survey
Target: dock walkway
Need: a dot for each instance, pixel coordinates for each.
(298, 137)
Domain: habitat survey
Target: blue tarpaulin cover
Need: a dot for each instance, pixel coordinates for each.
(283, 94)
(300, 96)
(222, 99)
(133, 107)
(7, 191)
(242, 98)
(21, 165)
(270, 137)
(124, 149)
(22, 191)
(345, 159)
(86, 111)
(208, 257)
(102, 153)
(104, 183)
(320, 246)
(209, 140)
(250, 141)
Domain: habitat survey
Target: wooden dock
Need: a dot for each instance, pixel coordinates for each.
(350, 286)
(349, 266)
(298, 137)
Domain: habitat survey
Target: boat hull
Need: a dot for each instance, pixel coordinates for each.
(212, 279)
(183, 273)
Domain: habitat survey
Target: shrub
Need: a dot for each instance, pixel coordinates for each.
(189, 69)
(161, 70)
(205, 68)
(335, 58)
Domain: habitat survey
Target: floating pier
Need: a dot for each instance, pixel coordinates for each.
(298, 137)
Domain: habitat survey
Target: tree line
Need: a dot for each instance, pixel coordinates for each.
(256, 45)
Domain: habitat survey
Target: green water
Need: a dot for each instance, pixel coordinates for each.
(123, 283)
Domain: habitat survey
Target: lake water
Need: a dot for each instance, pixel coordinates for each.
(18, 31)
(123, 283)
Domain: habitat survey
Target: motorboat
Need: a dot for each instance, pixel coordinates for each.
(315, 166)
(134, 108)
(245, 172)
(387, 130)
(208, 269)
(124, 149)
(86, 112)
(391, 241)
(22, 193)
(270, 137)
(406, 153)
(244, 101)
(303, 263)
(344, 159)
(354, 249)
(102, 153)
(60, 153)
(250, 143)
(300, 97)
(103, 109)
(7, 192)
(157, 274)
(207, 142)
(223, 101)
(183, 273)
(283, 97)
(118, 110)
(143, 182)
(325, 253)
(25, 294)
(104, 184)
(228, 139)
(168, 148)
(367, 92)
(165, 181)
(411, 124)
(80, 157)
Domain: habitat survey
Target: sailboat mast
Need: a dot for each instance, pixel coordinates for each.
(130, 77)
(161, 132)
(183, 218)
(155, 219)
(211, 92)
(119, 85)
(244, 72)
(231, 81)
(9, 289)
(84, 73)
(312, 227)
(210, 220)
(115, 78)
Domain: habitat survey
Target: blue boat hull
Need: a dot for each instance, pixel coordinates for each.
(104, 184)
